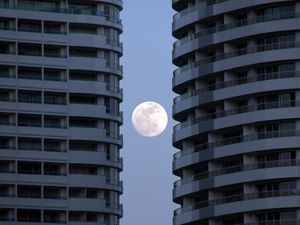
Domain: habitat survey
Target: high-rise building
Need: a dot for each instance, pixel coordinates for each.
(59, 112)
(238, 112)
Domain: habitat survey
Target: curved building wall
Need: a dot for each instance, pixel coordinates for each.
(60, 120)
(237, 110)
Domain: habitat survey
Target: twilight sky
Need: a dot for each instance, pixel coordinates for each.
(147, 174)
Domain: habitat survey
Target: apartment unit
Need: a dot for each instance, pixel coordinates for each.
(60, 120)
(238, 87)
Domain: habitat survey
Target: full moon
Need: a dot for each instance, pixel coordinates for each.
(149, 119)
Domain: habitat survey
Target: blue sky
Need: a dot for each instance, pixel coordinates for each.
(148, 71)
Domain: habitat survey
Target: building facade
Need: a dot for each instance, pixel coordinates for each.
(238, 112)
(59, 112)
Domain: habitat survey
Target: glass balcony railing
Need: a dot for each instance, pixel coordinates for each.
(55, 125)
(6, 75)
(55, 173)
(236, 140)
(29, 148)
(236, 198)
(55, 100)
(54, 55)
(7, 170)
(7, 99)
(240, 81)
(236, 169)
(29, 99)
(23, 171)
(62, 10)
(114, 89)
(7, 27)
(236, 111)
(240, 52)
(30, 52)
(7, 51)
(7, 147)
(30, 29)
(49, 149)
(26, 124)
(7, 123)
(30, 76)
(55, 221)
(7, 219)
(275, 222)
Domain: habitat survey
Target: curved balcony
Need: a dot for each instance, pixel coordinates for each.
(226, 61)
(238, 198)
(238, 53)
(202, 11)
(225, 180)
(237, 24)
(95, 158)
(95, 87)
(63, 11)
(236, 82)
(236, 111)
(100, 205)
(259, 204)
(95, 181)
(237, 169)
(237, 140)
(285, 24)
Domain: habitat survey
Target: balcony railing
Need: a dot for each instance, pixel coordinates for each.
(240, 52)
(7, 76)
(33, 171)
(7, 123)
(55, 55)
(7, 147)
(238, 168)
(275, 222)
(54, 101)
(48, 149)
(236, 140)
(7, 99)
(196, 7)
(114, 89)
(62, 10)
(240, 81)
(236, 198)
(7, 27)
(236, 111)
(30, 99)
(55, 173)
(239, 23)
(2, 170)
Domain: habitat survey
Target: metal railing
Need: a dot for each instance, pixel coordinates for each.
(240, 81)
(236, 169)
(62, 10)
(236, 198)
(236, 111)
(236, 140)
(240, 52)
(236, 24)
